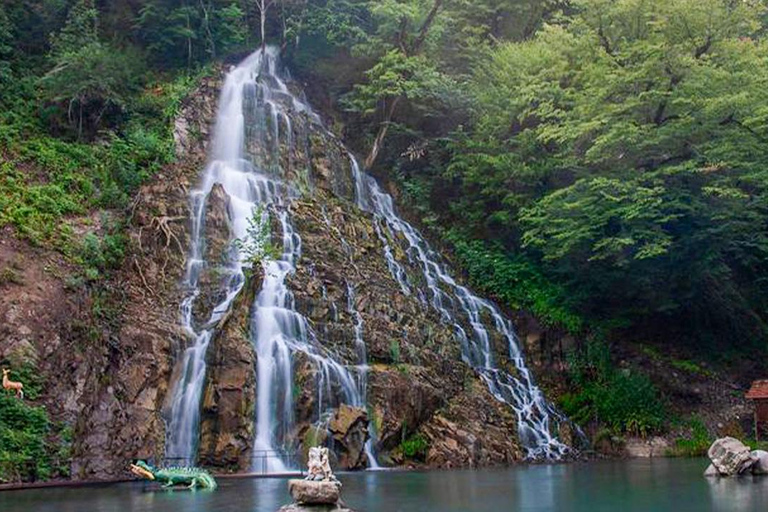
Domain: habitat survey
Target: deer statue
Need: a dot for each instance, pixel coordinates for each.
(18, 387)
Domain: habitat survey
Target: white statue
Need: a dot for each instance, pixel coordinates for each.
(319, 466)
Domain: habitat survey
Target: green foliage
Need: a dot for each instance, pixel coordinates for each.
(623, 400)
(31, 448)
(257, 246)
(80, 29)
(394, 351)
(624, 147)
(694, 445)
(44, 180)
(415, 447)
(180, 34)
(90, 81)
(100, 255)
(90, 85)
(515, 282)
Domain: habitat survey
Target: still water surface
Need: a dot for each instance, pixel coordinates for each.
(660, 485)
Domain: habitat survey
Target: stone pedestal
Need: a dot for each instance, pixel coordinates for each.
(310, 496)
(307, 492)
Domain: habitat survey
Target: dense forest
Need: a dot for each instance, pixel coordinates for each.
(600, 163)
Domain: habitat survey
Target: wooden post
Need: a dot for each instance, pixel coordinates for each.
(756, 430)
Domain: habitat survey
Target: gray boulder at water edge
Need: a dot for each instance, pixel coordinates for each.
(760, 466)
(729, 457)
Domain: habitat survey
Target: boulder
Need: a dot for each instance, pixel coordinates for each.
(711, 471)
(730, 456)
(760, 467)
(306, 492)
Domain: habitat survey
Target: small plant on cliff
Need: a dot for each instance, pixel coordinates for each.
(394, 351)
(257, 245)
(415, 447)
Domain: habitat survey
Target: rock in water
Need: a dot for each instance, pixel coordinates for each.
(761, 462)
(730, 456)
(305, 492)
(314, 508)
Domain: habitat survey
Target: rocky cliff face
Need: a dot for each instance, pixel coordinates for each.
(121, 418)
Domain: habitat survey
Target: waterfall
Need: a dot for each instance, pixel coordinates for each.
(469, 315)
(257, 117)
(254, 115)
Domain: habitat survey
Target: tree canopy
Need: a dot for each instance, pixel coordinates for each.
(614, 149)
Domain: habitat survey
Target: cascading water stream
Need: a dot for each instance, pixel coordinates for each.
(246, 161)
(459, 307)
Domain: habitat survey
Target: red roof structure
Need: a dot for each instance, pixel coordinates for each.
(759, 390)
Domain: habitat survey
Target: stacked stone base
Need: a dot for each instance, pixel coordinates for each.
(310, 496)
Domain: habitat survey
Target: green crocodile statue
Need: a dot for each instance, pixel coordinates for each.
(191, 477)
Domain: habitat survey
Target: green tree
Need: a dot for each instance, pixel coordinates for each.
(627, 146)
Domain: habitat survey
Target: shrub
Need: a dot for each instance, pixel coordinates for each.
(394, 351)
(415, 447)
(623, 400)
(696, 445)
(31, 448)
(516, 282)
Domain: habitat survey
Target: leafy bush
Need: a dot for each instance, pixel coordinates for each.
(394, 351)
(99, 255)
(516, 282)
(623, 400)
(696, 445)
(31, 448)
(415, 447)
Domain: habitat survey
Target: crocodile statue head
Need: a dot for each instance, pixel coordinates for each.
(143, 470)
(191, 477)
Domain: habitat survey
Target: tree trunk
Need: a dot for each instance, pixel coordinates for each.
(263, 11)
(424, 30)
(378, 142)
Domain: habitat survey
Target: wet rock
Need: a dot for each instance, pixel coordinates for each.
(305, 492)
(349, 428)
(226, 428)
(217, 253)
(730, 456)
(760, 466)
(403, 400)
(473, 430)
(711, 471)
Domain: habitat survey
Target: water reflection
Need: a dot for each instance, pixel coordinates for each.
(659, 485)
(738, 494)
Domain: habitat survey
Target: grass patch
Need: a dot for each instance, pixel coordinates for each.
(694, 445)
